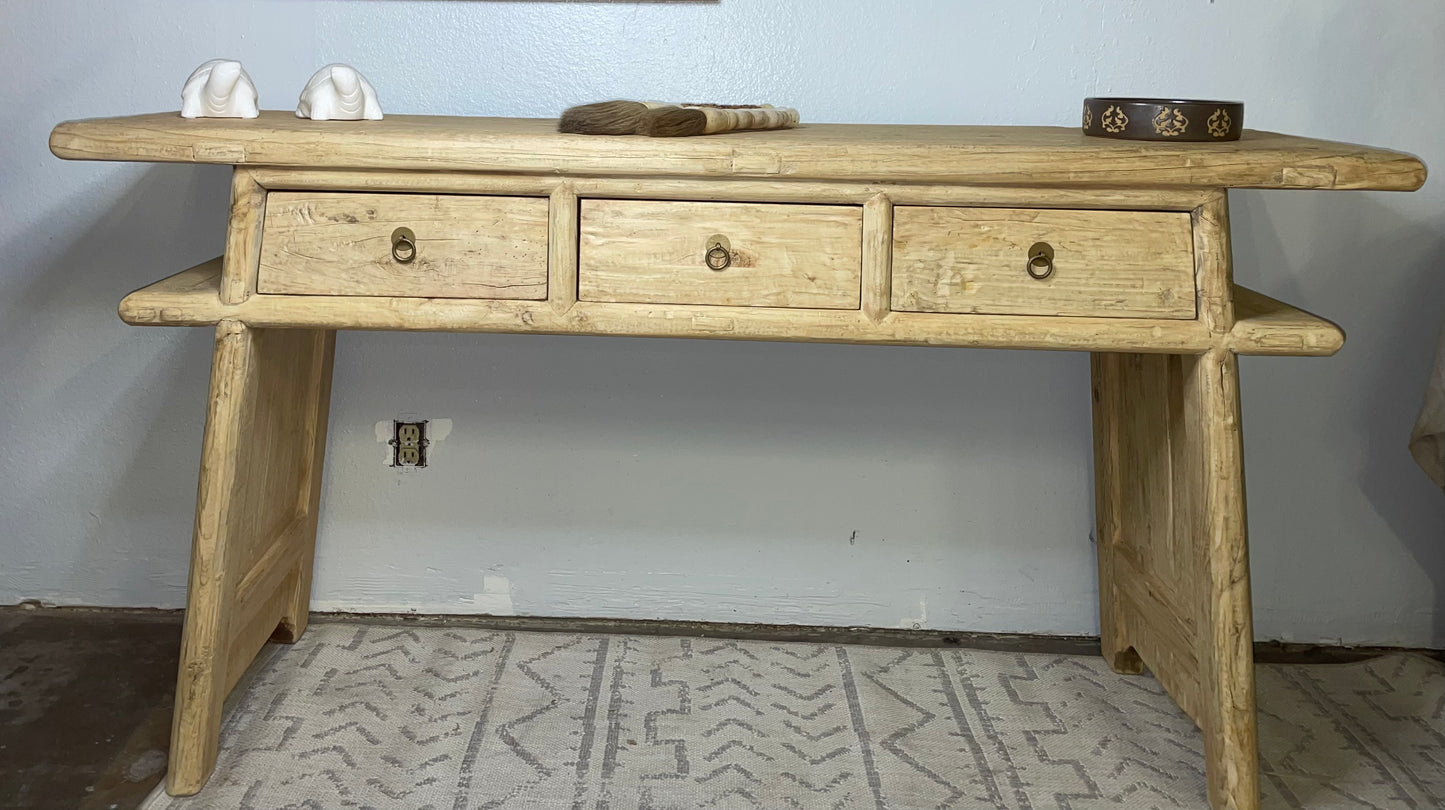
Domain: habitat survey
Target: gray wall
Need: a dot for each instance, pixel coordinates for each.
(713, 480)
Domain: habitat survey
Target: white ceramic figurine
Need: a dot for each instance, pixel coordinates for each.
(338, 92)
(219, 88)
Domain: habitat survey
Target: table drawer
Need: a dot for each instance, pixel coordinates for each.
(1122, 264)
(325, 243)
(641, 251)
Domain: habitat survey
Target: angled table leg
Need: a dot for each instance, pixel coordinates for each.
(255, 527)
(1173, 552)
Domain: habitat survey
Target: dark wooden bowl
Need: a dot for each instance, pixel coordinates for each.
(1159, 119)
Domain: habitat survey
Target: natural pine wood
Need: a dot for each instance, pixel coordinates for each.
(730, 189)
(1033, 156)
(1213, 263)
(877, 257)
(645, 252)
(201, 686)
(328, 243)
(1118, 471)
(1265, 326)
(1146, 558)
(1172, 543)
(255, 528)
(296, 600)
(562, 250)
(1120, 264)
(1173, 555)
(243, 237)
(1226, 643)
(850, 234)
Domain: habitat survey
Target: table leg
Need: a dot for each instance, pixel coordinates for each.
(255, 527)
(1172, 546)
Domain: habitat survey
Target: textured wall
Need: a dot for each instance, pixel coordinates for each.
(715, 480)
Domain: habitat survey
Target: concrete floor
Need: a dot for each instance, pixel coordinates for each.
(85, 707)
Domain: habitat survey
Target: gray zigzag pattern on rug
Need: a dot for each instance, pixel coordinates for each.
(440, 718)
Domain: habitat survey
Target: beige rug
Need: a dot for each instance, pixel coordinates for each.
(358, 716)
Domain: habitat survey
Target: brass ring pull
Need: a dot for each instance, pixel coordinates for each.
(719, 254)
(718, 258)
(403, 245)
(1041, 261)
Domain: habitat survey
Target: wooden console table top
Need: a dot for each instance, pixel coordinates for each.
(1009, 237)
(1035, 156)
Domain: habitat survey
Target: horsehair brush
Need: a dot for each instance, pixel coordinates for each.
(605, 118)
(672, 120)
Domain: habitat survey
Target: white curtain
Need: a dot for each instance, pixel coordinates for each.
(1427, 441)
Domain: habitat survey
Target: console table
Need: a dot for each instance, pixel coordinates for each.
(1012, 237)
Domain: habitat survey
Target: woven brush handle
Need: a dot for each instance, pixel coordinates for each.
(732, 119)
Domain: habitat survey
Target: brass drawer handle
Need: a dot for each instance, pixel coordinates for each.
(719, 254)
(403, 245)
(1041, 261)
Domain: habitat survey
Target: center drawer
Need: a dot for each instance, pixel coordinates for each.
(724, 254)
(404, 245)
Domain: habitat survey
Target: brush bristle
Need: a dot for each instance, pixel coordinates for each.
(604, 118)
(673, 122)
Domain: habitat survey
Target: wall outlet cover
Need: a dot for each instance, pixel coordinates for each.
(408, 444)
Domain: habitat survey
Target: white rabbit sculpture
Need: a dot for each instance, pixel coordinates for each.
(219, 88)
(338, 92)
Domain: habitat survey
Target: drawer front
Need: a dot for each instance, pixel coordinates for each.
(1120, 264)
(327, 243)
(641, 251)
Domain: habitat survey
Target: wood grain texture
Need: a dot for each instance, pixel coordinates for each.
(1116, 475)
(1213, 263)
(200, 684)
(1143, 544)
(301, 535)
(801, 256)
(189, 299)
(730, 189)
(1226, 638)
(562, 247)
(1263, 325)
(1173, 552)
(328, 243)
(877, 257)
(1106, 264)
(1035, 156)
(255, 526)
(243, 237)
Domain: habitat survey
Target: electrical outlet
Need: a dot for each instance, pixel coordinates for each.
(408, 444)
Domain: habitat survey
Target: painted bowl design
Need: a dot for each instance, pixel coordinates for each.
(1157, 119)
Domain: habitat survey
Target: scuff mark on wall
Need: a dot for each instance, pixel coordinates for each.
(916, 622)
(495, 598)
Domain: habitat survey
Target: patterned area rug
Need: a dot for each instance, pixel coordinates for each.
(372, 716)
